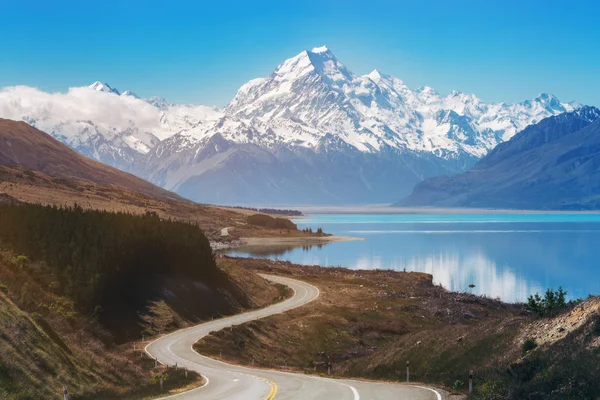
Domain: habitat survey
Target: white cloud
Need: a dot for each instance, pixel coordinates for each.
(106, 110)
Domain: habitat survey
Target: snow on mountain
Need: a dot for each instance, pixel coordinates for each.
(313, 94)
(548, 165)
(284, 130)
(130, 93)
(103, 87)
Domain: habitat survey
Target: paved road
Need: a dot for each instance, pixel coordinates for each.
(231, 382)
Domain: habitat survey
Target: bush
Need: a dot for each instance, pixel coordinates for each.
(596, 328)
(458, 384)
(492, 390)
(528, 345)
(549, 305)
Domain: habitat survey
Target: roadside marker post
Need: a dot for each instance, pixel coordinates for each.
(65, 393)
(329, 368)
(185, 372)
(161, 382)
(134, 346)
(470, 382)
(408, 371)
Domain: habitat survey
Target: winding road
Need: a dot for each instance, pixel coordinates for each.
(232, 382)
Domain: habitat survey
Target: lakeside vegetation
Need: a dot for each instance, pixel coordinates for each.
(271, 222)
(272, 211)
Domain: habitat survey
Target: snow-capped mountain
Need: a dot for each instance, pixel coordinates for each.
(549, 165)
(311, 132)
(103, 87)
(313, 94)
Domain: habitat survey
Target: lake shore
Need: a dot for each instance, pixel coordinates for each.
(385, 209)
(265, 243)
(296, 241)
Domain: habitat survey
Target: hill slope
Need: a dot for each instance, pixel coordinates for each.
(22, 145)
(554, 164)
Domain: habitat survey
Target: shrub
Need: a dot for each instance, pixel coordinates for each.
(596, 327)
(458, 384)
(19, 261)
(492, 390)
(528, 345)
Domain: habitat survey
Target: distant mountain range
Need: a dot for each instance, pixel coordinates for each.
(554, 164)
(310, 133)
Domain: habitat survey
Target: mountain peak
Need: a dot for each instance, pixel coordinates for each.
(130, 93)
(99, 86)
(320, 60)
(322, 49)
(427, 90)
(375, 75)
(546, 98)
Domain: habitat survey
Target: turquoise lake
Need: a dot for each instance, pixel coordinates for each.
(508, 256)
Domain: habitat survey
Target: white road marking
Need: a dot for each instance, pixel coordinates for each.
(439, 396)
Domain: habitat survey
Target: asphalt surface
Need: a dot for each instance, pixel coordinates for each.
(232, 382)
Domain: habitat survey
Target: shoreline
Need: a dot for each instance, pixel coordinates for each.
(391, 210)
(296, 241)
(253, 242)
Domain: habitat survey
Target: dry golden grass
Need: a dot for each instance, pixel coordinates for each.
(22, 145)
(36, 168)
(369, 323)
(36, 187)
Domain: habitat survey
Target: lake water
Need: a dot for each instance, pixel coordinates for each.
(509, 256)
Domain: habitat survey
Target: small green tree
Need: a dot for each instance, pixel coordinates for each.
(528, 345)
(552, 302)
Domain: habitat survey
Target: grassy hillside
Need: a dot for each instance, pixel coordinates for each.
(74, 283)
(45, 344)
(369, 323)
(22, 145)
(39, 188)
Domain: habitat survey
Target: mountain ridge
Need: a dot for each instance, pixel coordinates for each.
(550, 165)
(289, 127)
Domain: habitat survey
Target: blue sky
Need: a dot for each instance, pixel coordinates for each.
(201, 52)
